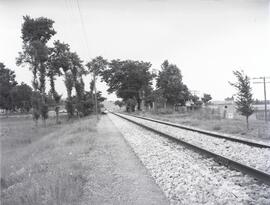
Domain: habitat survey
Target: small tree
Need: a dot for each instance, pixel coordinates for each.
(206, 98)
(244, 98)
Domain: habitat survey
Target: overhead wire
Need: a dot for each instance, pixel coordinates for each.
(73, 8)
(83, 28)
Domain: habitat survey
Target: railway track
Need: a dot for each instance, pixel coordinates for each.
(260, 175)
(212, 134)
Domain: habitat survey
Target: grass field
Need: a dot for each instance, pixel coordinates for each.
(258, 129)
(41, 165)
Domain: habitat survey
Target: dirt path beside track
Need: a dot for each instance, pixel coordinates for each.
(116, 176)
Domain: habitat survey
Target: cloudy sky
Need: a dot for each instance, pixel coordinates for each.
(206, 39)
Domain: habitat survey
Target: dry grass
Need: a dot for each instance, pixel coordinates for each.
(209, 120)
(41, 165)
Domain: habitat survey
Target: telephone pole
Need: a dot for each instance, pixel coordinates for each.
(195, 92)
(95, 91)
(264, 88)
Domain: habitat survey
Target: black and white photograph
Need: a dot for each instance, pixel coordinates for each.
(135, 102)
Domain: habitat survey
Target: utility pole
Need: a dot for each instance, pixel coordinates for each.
(95, 90)
(195, 92)
(264, 88)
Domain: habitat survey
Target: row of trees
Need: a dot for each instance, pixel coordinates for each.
(132, 81)
(51, 62)
(13, 96)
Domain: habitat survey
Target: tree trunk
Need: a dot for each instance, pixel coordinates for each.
(35, 86)
(42, 84)
(57, 117)
(57, 114)
(155, 107)
(6, 113)
(96, 100)
(139, 104)
(247, 123)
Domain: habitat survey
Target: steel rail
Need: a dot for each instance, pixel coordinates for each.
(254, 144)
(257, 174)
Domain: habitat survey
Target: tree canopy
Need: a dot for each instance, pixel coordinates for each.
(169, 80)
(22, 97)
(39, 29)
(128, 78)
(7, 83)
(12, 95)
(206, 98)
(97, 65)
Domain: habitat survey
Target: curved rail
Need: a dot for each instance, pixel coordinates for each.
(257, 174)
(217, 135)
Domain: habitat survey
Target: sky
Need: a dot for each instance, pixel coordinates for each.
(206, 39)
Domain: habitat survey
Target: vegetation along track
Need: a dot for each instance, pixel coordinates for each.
(260, 174)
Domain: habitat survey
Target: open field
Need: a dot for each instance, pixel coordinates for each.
(41, 165)
(258, 129)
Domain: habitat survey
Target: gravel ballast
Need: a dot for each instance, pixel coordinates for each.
(187, 177)
(239, 152)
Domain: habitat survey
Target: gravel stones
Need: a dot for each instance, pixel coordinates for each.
(187, 177)
(258, 158)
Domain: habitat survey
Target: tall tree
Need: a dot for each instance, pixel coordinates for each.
(129, 79)
(96, 66)
(54, 64)
(61, 61)
(77, 71)
(35, 34)
(7, 83)
(244, 98)
(169, 80)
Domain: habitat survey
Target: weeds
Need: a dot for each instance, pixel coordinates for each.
(37, 165)
(212, 120)
(216, 127)
(53, 188)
